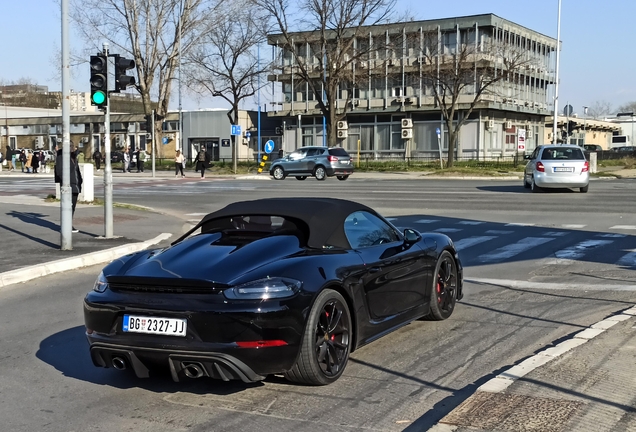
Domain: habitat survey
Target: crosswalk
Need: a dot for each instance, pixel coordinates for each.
(486, 243)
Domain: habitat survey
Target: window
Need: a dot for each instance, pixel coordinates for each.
(297, 155)
(366, 230)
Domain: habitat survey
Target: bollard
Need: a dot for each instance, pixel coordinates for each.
(593, 162)
(88, 183)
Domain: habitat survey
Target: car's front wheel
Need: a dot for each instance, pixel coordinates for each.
(279, 173)
(320, 173)
(342, 177)
(324, 351)
(444, 289)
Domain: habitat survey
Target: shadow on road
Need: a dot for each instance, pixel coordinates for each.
(521, 190)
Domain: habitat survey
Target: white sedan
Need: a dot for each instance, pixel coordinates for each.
(557, 166)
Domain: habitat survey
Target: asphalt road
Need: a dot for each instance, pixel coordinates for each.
(579, 272)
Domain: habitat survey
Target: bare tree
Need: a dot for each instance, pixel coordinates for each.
(153, 32)
(336, 33)
(460, 77)
(225, 62)
(628, 107)
(600, 109)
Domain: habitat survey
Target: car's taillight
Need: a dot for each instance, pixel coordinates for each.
(540, 167)
(261, 344)
(586, 167)
(332, 158)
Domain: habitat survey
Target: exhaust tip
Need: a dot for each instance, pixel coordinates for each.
(192, 370)
(118, 363)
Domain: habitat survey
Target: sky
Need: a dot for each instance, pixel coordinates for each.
(597, 57)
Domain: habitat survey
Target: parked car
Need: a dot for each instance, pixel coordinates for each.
(273, 286)
(624, 149)
(116, 157)
(557, 166)
(319, 162)
(592, 148)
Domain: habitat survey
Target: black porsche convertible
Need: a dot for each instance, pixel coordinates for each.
(274, 286)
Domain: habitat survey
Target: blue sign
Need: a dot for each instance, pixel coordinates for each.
(437, 131)
(269, 146)
(165, 140)
(236, 130)
(248, 134)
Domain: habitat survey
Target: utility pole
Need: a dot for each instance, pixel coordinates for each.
(108, 169)
(556, 86)
(66, 207)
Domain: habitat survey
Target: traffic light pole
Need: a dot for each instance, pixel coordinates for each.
(108, 169)
(66, 207)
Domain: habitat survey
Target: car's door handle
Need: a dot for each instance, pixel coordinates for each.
(374, 269)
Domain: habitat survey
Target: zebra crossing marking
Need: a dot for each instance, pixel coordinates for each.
(573, 226)
(465, 243)
(447, 230)
(555, 233)
(465, 222)
(513, 249)
(499, 232)
(574, 252)
(624, 227)
(628, 260)
(519, 224)
(611, 235)
(426, 221)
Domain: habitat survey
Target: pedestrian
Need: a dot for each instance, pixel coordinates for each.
(203, 161)
(281, 153)
(126, 160)
(141, 159)
(12, 155)
(23, 159)
(35, 161)
(97, 158)
(179, 161)
(29, 161)
(75, 179)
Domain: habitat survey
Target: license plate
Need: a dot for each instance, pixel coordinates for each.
(563, 169)
(155, 325)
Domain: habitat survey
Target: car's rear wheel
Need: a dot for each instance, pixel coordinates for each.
(279, 173)
(324, 351)
(534, 187)
(342, 177)
(585, 188)
(320, 173)
(444, 289)
(301, 177)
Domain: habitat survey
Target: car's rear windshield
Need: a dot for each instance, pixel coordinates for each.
(338, 151)
(253, 227)
(562, 154)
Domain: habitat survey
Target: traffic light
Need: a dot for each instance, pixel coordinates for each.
(122, 81)
(570, 127)
(148, 123)
(99, 80)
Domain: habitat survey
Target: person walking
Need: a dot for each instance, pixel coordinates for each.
(75, 179)
(97, 158)
(35, 161)
(29, 161)
(142, 157)
(203, 161)
(126, 160)
(23, 160)
(179, 161)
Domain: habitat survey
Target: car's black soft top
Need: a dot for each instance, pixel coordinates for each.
(323, 216)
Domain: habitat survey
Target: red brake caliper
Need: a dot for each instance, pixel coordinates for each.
(439, 290)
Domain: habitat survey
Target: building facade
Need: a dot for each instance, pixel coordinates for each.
(390, 84)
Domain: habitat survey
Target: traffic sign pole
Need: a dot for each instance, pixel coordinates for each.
(108, 169)
(439, 146)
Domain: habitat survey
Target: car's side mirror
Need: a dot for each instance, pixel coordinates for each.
(527, 157)
(411, 236)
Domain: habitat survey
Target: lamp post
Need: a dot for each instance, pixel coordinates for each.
(556, 81)
(584, 124)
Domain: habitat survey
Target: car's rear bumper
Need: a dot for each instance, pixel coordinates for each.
(562, 181)
(331, 171)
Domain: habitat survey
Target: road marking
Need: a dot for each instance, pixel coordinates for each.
(611, 235)
(426, 221)
(624, 227)
(465, 222)
(527, 285)
(471, 241)
(513, 249)
(519, 224)
(555, 233)
(628, 260)
(498, 232)
(447, 230)
(565, 256)
(573, 226)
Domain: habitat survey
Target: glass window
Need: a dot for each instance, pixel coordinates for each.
(298, 154)
(383, 137)
(365, 230)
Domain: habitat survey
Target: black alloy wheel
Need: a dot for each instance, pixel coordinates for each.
(320, 173)
(444, 289)
(301, 177)
(342, 177)
(326, 343)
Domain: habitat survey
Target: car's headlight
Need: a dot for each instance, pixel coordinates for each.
(100, 283)
(263, 289)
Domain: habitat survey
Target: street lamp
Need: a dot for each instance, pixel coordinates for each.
(584, 123)
(630, 114)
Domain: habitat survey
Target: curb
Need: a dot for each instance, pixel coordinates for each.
(35, 271)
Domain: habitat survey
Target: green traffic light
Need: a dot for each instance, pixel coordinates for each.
(99, 97)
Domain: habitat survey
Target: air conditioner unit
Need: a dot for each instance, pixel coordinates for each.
(342, 133)
(407, 133)
(342, 124)
(407, 123)
(508, 124)
(490, 124)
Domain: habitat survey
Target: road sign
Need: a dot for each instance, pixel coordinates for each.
(248, 134)
(568, 110)
(236, 130)
(521, 140)
(269, 146)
